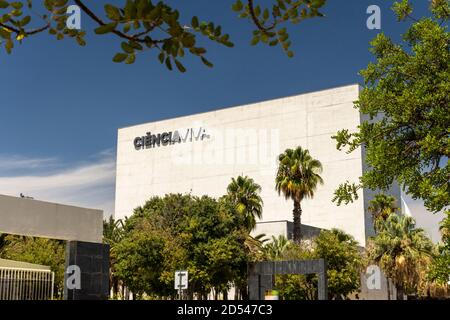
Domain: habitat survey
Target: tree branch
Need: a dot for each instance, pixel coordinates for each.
(255, 19)
(94, 17)
(9, 28)
(28, 33)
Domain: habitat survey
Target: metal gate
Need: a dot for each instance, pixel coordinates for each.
(26, 284)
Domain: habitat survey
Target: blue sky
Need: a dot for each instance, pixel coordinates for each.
(61, 104)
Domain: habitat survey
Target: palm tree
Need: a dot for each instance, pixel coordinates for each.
(243, 193)
(255, 246)
(297, 178)
(113, 232)
(402, 251)
(381, 207)
(274, 250)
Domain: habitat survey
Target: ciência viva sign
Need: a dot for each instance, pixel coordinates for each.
(151, 140)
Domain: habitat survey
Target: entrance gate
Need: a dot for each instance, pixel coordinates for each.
(261, 275)
(26, 284)
(82, 229)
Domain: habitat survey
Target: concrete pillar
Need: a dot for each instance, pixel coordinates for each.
(322, 283)
(92, 259)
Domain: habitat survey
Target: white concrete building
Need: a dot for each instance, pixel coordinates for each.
(200, 153)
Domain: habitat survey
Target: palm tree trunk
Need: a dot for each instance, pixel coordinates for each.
(297, 213)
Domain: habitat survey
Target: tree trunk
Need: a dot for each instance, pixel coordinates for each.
(388, 286)
(400, 293)
(297, 213)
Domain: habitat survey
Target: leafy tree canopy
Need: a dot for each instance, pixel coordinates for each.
(41, 251)
(440, 269)
(203, 235)
(402, 251)
(406, 134)
(344, 262)
(145, 25)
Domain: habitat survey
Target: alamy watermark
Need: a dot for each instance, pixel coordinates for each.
(73, 277)
(200, 145)
(373, 274)
(373, 21)
(73, 17)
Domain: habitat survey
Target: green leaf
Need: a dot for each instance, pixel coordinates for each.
(206, 62)
(120, 57)
(81, 41)
(257, 11)
(127, 27)
(255, 40)
(264, 38)
(130, 59)
(112, 12)
(188, 40)
(5, 18)
(273, 42)
(238, 6)
(9, 46)
(198, 51)
(5, 34)
(168, 63)
(17, 5)
(127, 48)
(161, 57)
(16, 13)
(195, 22)
(180, 66)
(130, 10)
(3, 4)
(106, 28)
(135, 45)
(26, 20)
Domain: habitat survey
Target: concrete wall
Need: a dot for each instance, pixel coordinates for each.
(283, 228)
(273, 228)
(49, 220)
(424, 219)
(207, 166)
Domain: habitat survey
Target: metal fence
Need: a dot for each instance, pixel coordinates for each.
(26, 284)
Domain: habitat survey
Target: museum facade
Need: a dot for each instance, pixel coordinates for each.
(200, 153)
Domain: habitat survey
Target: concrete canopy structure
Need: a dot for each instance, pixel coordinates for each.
(50, 220)
(199, 154)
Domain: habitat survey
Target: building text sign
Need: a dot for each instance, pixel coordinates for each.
(151, 140)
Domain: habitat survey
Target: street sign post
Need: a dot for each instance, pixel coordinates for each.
(181, 281)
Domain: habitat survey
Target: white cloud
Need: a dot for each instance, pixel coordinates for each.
(89, 184)
(18, 162)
